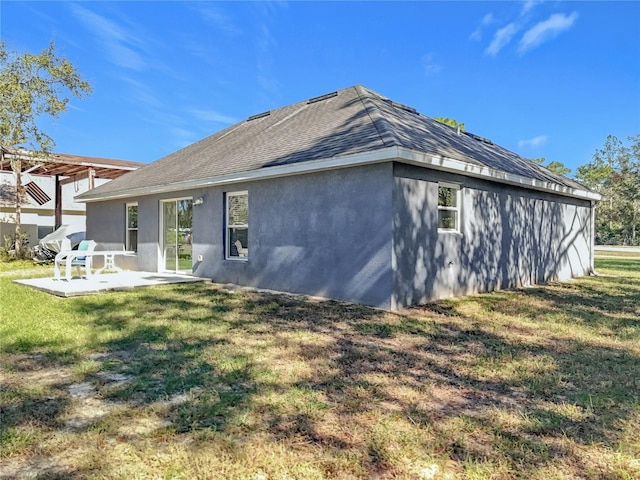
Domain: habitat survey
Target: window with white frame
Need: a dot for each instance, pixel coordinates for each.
(132, 227)
(237, 225)
(448, 207)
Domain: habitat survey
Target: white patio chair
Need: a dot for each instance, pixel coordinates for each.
(78, 261)
(242, 251)
(84, 262)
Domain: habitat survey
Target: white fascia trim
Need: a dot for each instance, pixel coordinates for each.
(377, 156)
(439, 162)
(389, 154)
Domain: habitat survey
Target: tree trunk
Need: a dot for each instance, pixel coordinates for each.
(17, 169)
(634, 223)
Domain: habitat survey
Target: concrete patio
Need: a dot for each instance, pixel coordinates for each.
(105, 282)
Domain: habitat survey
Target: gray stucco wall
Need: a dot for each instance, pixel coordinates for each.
(509, 237)
(326, 234)
(106, 225)
(369, 235)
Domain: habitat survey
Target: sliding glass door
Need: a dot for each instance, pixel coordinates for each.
(176, 235)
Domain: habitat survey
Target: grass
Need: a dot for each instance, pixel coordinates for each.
(618, 252)
(194, 381)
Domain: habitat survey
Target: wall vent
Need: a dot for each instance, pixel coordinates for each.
(35, 192)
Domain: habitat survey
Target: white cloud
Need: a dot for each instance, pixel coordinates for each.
(267, 77)
(528, 5)
(213, 116)
(266, 49)
(534, 142)
(120, 44)
(215, 16)
(488, 19)
(139, 92)
(430, 66)
(182, 133)
(501, 39)
(181, 137)
(477, 33)
(546, 30)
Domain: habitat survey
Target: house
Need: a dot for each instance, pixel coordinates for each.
(50, 184)
(350, 196)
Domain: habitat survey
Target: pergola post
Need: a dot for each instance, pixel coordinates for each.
(58, 203)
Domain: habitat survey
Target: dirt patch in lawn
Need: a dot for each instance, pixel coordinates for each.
(58, 400)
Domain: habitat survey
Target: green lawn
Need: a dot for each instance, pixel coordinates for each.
(622, 252)
(193, 381)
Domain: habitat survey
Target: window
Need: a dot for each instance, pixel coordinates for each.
(448, 207)
(132, 227)
(237, 222)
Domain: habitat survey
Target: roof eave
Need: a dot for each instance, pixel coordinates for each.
(438, 162)
(398, 154)
(333, 163)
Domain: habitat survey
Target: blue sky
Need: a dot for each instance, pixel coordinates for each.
(544, 79)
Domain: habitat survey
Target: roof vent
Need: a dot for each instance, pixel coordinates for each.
(406, 108)
(322, 97)
(260, 115)
(479, 138)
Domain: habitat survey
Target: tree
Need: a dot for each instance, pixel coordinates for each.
(32, 85)
(558, 167)
(451, 122)
(555, 166)
(614, 172)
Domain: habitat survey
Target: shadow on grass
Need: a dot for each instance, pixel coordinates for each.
(480, 369)
(469, 389)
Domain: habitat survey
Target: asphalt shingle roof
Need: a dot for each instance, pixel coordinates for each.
(349, 121)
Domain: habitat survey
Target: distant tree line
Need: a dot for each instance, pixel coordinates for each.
(614, 173)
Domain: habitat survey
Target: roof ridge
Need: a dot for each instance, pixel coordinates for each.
(385, 130)
(351, 121)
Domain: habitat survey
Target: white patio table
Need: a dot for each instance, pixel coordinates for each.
(69, 256)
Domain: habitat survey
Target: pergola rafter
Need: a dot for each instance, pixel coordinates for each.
(65, 168)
